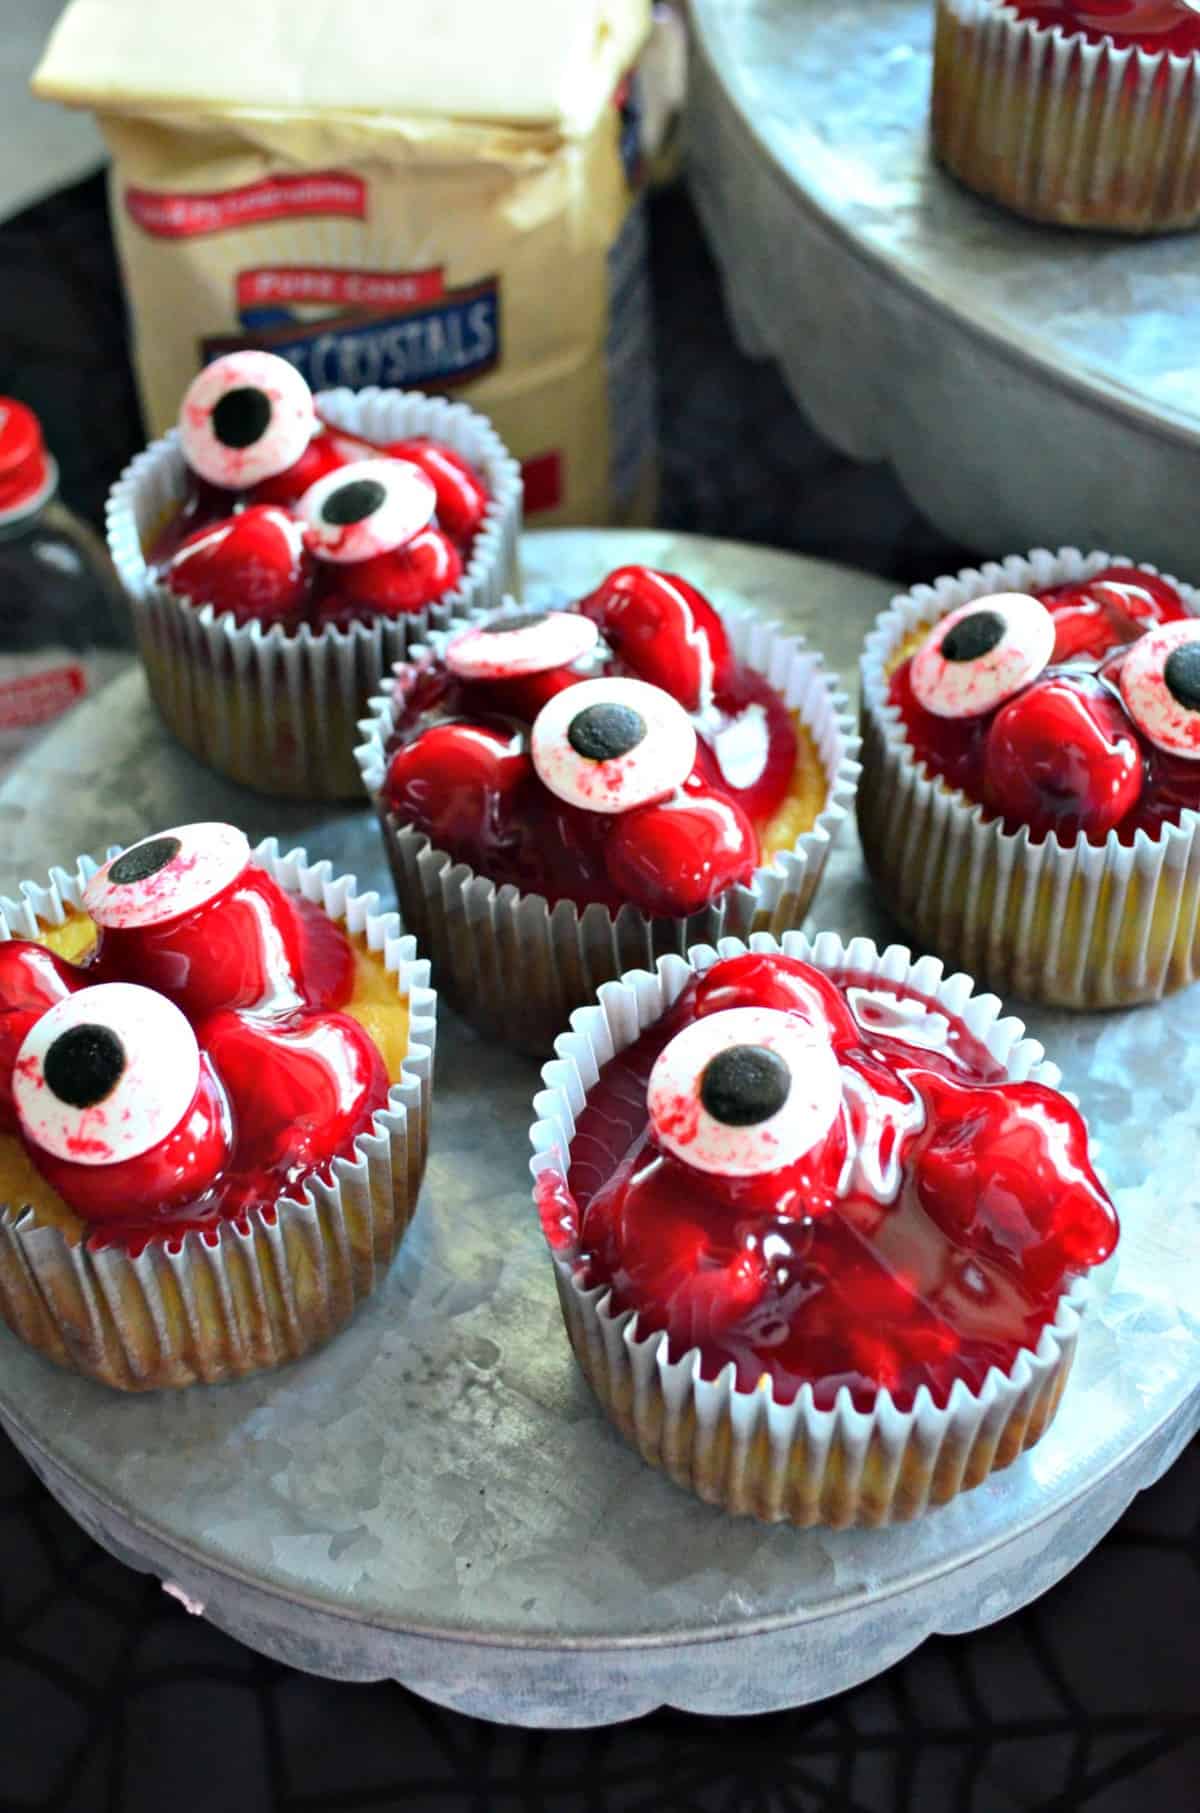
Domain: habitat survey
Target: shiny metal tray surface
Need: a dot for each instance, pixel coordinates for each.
(435, 1497)
(1030, 385)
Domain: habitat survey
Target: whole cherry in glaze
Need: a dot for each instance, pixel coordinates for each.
(303, 1086)
(1062, 757)
(663, 630)
(32, 979)
(253, 565)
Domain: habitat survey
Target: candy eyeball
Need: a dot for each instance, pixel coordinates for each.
(244, 418)
(105, 1074)
(981, 654)
(367, 508)
(609, 745)
(172, 873)
(1160, 684)
(745, 1091)
(527, 642)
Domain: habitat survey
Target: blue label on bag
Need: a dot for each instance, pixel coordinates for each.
(433, 346)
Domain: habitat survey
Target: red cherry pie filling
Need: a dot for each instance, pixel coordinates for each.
(197, 1043)
(827, 1179)
(1074, 712)
(1150, 25)
(611, 752)
(289, 520)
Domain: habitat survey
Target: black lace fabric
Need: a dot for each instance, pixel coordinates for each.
(114, 1700)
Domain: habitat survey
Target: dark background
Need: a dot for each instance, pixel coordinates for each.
(114, 1700)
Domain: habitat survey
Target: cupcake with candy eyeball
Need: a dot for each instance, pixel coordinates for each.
(566, 794)
(281, 551)
(215, 1075)
(821, 1223)
(1081, 113)
(1030, 797)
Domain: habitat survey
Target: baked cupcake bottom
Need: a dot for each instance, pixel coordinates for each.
(203, 1308)
(778, 1469)
(1060, 132)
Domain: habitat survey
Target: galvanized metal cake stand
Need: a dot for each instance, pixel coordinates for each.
(435, 1497)
(1031, 386)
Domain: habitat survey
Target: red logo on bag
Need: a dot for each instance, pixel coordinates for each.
(273, 286)
(181, 216)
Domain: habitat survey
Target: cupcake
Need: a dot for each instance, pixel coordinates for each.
(567, 794)
(215, 1071)
(1030, 796)
(1083, 116)
(820, 1222)
(282, 551)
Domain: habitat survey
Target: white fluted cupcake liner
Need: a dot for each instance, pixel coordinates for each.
(515, 966)
(272, 708)
(198, 1308)
(1061, 130)
(1072, 925)
(745, 1450)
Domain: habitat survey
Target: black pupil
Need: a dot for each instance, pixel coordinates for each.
(83, 1065)
(241, 417)
(600, 733)
(353, 502)
(976, 635)
(527, 620)
(745, 1085)
(1182, 675)
(143, 861)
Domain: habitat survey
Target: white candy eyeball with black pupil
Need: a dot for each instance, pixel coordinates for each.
(1160, 684)
(166, 875)
(366, 508)
(244, 418)
(744, 1091)
(106, 1074)
(609, 745)
(529, 642)
(981, 654)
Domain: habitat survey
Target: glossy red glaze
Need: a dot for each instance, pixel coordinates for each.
(1064, 757)
(1154, 25)
(252, 564)
(663, 630)
(246, 572)
(302, 1087)
(388, 585)
(674, 858)
(32, 979)
(462, 500)
(788, 1276)
(253, 945)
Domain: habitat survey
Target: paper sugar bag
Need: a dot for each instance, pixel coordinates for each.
(436, 194)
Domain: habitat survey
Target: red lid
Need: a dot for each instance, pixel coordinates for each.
(24, 468)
